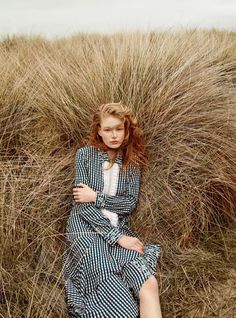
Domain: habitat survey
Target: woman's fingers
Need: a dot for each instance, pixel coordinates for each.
(140, 244)
(75, 190)
(76, 194)
(140, 250)
(141, 247)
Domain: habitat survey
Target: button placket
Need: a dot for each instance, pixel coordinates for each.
(110, 186)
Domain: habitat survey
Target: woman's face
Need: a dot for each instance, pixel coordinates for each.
(112, 129)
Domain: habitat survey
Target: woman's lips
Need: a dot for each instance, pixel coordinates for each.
(114, 142)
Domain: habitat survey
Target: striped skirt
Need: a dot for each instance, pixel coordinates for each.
(101, 280)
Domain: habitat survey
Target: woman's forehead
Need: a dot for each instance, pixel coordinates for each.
(111, 121)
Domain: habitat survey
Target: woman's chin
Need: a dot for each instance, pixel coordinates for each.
(114, 146)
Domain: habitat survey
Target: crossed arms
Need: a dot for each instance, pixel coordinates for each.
(122, 204)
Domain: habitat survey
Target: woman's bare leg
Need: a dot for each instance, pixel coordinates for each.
(149, 299)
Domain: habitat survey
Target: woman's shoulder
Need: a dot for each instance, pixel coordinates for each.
(86, 150)
(134, 169)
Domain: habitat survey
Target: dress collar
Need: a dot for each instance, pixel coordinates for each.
(103, 155)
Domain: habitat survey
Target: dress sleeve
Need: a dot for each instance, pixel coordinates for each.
(88, 211)
(122, 204)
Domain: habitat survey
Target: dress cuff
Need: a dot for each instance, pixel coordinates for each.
(100, 199)
(113, 236)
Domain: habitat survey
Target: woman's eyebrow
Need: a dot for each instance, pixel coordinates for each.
(114, 126)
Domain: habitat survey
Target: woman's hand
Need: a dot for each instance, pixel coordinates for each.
(131, 243)
(84, 193)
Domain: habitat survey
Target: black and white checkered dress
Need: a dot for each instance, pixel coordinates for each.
(103, 279)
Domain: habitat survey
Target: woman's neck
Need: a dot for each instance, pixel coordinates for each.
(111, 154)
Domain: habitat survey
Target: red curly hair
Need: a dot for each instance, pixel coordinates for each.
(132, 148)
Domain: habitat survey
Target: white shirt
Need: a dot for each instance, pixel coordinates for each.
(110, 186)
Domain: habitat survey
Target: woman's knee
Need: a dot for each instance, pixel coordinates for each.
(150, 284)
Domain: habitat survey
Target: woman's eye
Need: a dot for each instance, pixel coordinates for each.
(110, 130)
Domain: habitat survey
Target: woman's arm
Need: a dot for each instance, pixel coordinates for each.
(88, 211)
(122, 204)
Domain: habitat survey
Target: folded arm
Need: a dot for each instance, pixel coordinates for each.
(88, 211)
(122, 204)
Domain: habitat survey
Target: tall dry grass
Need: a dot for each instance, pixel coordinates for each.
(181, 85)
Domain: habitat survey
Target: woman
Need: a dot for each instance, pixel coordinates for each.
(108, 271)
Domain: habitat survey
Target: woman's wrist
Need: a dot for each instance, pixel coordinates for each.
(95, 196)
(100, 199)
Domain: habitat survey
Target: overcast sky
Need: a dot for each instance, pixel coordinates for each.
(52, 18)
